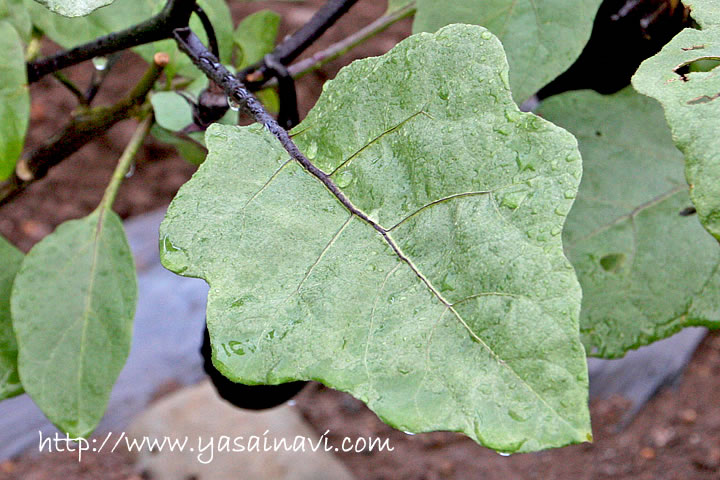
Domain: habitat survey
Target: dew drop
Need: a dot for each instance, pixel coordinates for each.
(443, 92)
(486, 35)
(562, 210)
(569, 194)
(555, 231)
(311, 151)
(504, 454)
(291, 403)
(233, 104)
(344, 179)
(100, 63)
(409, 433)
(512, 115)
(173, 258)
(131, 171)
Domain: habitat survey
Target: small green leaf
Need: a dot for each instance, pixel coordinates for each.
(692, 105)
(14, 98)
(646, 267)
(172, 111)
(73, 303)
(464, 317)
(255, 37)
(191, 148)
(542, 38)
(10, 260)
(74, 8)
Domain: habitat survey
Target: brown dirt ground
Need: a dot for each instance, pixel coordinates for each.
(677, 436)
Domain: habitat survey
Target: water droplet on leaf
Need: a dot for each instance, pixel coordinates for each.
(344, 179)
(311, 151)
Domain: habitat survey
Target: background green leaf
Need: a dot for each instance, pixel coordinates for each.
(191, 148)
(542, 38)
(73, 8)
(10, 260)
(14, 98)
(255, 37)
(172, 111)
(479, 333)
(73, 303)
(692, 104)
(646, 271)
(18, 16)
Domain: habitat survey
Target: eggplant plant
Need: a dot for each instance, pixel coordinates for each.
(418, 240)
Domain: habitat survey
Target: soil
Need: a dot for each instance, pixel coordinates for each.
(676, 436)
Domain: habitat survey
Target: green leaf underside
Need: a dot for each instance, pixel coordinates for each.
(73, 8)
(646, 271)
(692, 105)
(14, 98)
(172, 111)
(190, 148)
(73, 303)
(10, 260)
(255, 36)
(70, 32)
(478, 331)
(542, 38)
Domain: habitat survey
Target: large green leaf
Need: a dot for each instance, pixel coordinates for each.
(73, 8)
(692, 105)
(10, 260)
(69, 32)
(465, 316)
(646, 270)
(542, 38)
(14, 98)
(255, 36)
(73, 303)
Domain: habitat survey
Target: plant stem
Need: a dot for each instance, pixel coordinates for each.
(175, 14)
(296, 43)
(125, 161)
(323, 19)
(209, 30)
(83, 128)
(99, 77)
(67, 83)
(340, 48)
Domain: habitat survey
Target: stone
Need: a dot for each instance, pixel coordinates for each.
(200, 415)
